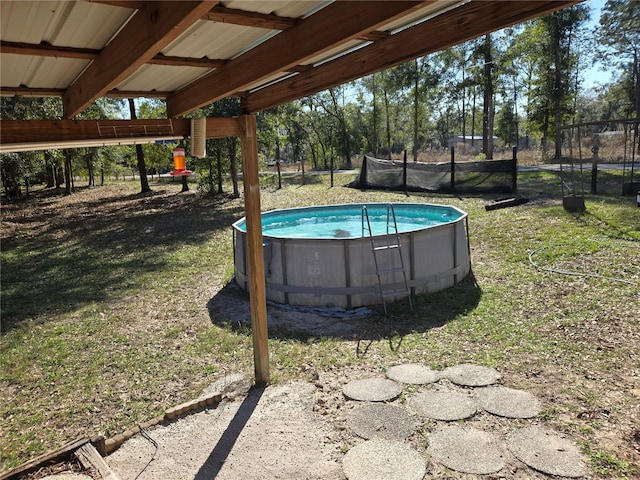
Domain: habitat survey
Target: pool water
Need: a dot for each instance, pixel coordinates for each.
(345, 221)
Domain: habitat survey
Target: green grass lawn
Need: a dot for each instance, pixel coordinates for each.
(105, 318)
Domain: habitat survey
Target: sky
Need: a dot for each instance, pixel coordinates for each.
(595, 75)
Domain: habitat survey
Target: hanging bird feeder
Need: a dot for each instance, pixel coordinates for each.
(179, 164)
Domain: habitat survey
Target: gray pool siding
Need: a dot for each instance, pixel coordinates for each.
(341, 272)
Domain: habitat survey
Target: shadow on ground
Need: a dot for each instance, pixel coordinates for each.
(62, 253)
(212, 466)
(230, 308)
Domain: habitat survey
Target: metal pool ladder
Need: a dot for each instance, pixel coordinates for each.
(389, 245)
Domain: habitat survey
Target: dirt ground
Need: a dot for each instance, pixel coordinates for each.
(295, 430)
(298, 429)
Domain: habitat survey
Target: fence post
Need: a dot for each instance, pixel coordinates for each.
(594, 166)
(453, 170)
(404, 172)
(514, 177)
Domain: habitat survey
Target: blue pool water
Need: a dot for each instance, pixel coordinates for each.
(345, 221)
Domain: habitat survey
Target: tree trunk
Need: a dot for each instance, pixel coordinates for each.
(557, 97)
(10, 179)
(68, 189)
(374, 136)
(464, 110)
(219, 166)
(59, 177)
(89, 160)
(234, 168)
(473, 119)
(48, 161)
(142, 167)
(343, 128)
(636, 69)
(416, 103)
(185, 184)
(386, 108)
(487, 108)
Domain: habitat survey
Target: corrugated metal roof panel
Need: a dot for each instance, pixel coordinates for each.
(63, 23)
(213, 40)
(88, 25)
(282, 8)
(433, 8)
(335, 52)
(39, 72)
(269, 80)
(161, 78)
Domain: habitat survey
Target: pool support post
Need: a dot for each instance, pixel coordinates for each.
(255, 258)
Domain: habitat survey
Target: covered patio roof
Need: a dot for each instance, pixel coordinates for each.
(193, 53)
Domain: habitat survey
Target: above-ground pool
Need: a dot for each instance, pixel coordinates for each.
(322, 256)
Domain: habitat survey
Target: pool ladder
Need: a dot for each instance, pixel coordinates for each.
(389, 245)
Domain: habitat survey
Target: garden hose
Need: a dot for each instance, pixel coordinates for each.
(566, 272)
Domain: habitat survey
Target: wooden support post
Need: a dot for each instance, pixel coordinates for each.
(255, 259)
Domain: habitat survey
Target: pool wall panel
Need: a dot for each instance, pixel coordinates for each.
(342, 272)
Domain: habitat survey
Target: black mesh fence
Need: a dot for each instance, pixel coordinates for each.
(475, 176)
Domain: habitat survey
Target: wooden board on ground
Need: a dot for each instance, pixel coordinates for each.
(92, 460)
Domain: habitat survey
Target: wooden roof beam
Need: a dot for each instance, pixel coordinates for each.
(335, 24)
(37, 50)
(39, 131)
(151, 28)
(249, 19)
(46, 50)
(59, 92)
(453, 27)
(186, 62)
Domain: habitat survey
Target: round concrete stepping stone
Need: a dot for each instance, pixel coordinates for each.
(380, 459)
(507, 402)
(443, 405)
(381, 420)
(412, 373)
(372, 389)
(471, 375)
(467, 450)
(546, 452)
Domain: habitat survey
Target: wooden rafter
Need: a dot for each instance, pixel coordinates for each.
(37, 50)
(456, 26)
(249, 19)
(59, 92)
(335, 24)
(40, 50)
(152, 28)
(186, 62)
